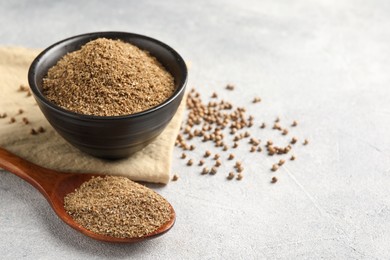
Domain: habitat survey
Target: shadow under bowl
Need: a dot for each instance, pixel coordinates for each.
(109, 137)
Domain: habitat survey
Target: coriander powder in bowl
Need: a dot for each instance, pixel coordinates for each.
(108, 93)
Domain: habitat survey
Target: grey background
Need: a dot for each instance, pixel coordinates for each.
(324, 63)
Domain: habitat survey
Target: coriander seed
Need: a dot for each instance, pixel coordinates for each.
(23, 88)
(281, 162)
(230, 176)
(33, 131)
(274, 179)
(189, 162)
(294, 140)
(218, 163)
(213, 170)
(230, 87)
(256, 100)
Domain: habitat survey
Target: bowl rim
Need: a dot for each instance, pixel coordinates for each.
(110, 34)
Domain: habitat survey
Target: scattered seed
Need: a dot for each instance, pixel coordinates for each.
(277, 126)
(213, 170)
(207, 153)
(190, 162)
(20, 111)
(205, 170)
(294, 140)
(306, 142)
(25, 120)
(254, 141)
(230, 87)
(238, 164)
(12, 120)
(183, 156)
(277, 120)
(292, 158)
(175, 177)
(240, 176)
(274, 168)
(230, 176)
(263, 125)
(225, 148)
(285, 132)
(259, 149)
(240, 168)
(23, 88)
(201, 162)
(231, 156)
(281, 162)
(256, 100)
(235, 145)
(214, 95)
(216, 156)
(192, 147)
(294, 123)
(28, 93)
(41, 129)
(274, 179)
(218, 163)
(253, 149)
(33, 131)
(4, 115)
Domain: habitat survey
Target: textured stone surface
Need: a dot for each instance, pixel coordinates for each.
(325, 63)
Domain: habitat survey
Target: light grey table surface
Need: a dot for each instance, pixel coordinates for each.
(324, 63)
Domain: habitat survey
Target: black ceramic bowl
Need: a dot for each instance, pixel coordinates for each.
(110, 137)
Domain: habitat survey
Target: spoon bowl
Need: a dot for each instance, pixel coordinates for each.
(56, 185)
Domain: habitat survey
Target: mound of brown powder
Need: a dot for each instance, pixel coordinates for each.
(117, 207)
(108, 78)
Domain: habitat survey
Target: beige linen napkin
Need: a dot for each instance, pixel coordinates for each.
(48, 149)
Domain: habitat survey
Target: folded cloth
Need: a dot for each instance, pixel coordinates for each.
(31, 137)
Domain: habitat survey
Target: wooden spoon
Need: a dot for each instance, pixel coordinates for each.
(56, 185)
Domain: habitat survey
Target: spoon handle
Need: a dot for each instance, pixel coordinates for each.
(41, 178)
